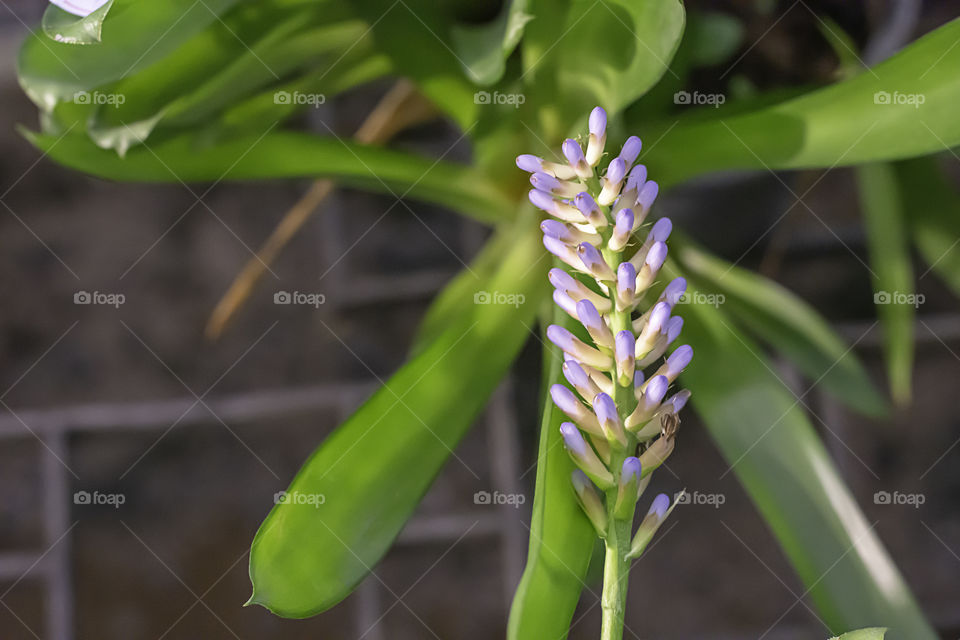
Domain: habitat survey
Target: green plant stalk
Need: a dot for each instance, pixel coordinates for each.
(613, 598)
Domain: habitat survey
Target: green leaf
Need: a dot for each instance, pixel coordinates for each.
(837, 125)
(934, 217)
(894, 296)
(231, 76)
(189, 158)
(63, 26)
(375, 468)
(415, 35)
(483, 49)
(608, 53)
(562, 539)
(455, 300)
(135, 35)
(789, 324)
(765, 436)
(875, 633)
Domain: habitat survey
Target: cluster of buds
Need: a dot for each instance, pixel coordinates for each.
(623, 423)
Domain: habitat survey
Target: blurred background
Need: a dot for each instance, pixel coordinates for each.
(137, 457)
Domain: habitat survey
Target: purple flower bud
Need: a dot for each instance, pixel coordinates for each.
(648, 193)
(573, 439)
(562, 251)
(574, 154)
(637, 177)
(605, 408)
(626, 283)
(579, 378)
(638, 378)
(594, 324)
(594, 263)
(674, 291)
(546, 182)
(631, 149)
(616, 171)
(562, 338)
(622, 229)
(560, 279)
(631, 470)
(659, 315)
(584, 456)
(543, 200)
(656, 256)
(598, 122)
(530, 163)
(678, 361)
(655, 390)
(661, 230)
(623, 347)
(674, 326)
(572, 345)
(679, 400)
(565, 302)
(590, 210)
(556, 229)
(660, 505)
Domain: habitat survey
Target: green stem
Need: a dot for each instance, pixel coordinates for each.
(613, 600)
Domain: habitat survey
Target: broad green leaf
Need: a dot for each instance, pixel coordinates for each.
(786, 322)
(415, 35)
(584, 53)
(457, 297)
(286, 48)
(894, 296)
(65, 27)
(375, 467)
(934, 217)
(135, 34)
(768, 441)
(562, 539)
(483, 49)
(876, 633)
(188, 158)
(846, 123)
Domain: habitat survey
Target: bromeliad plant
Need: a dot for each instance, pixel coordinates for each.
(632, 426)
(181, 91)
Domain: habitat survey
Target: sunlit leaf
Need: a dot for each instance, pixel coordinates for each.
(375, 467)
